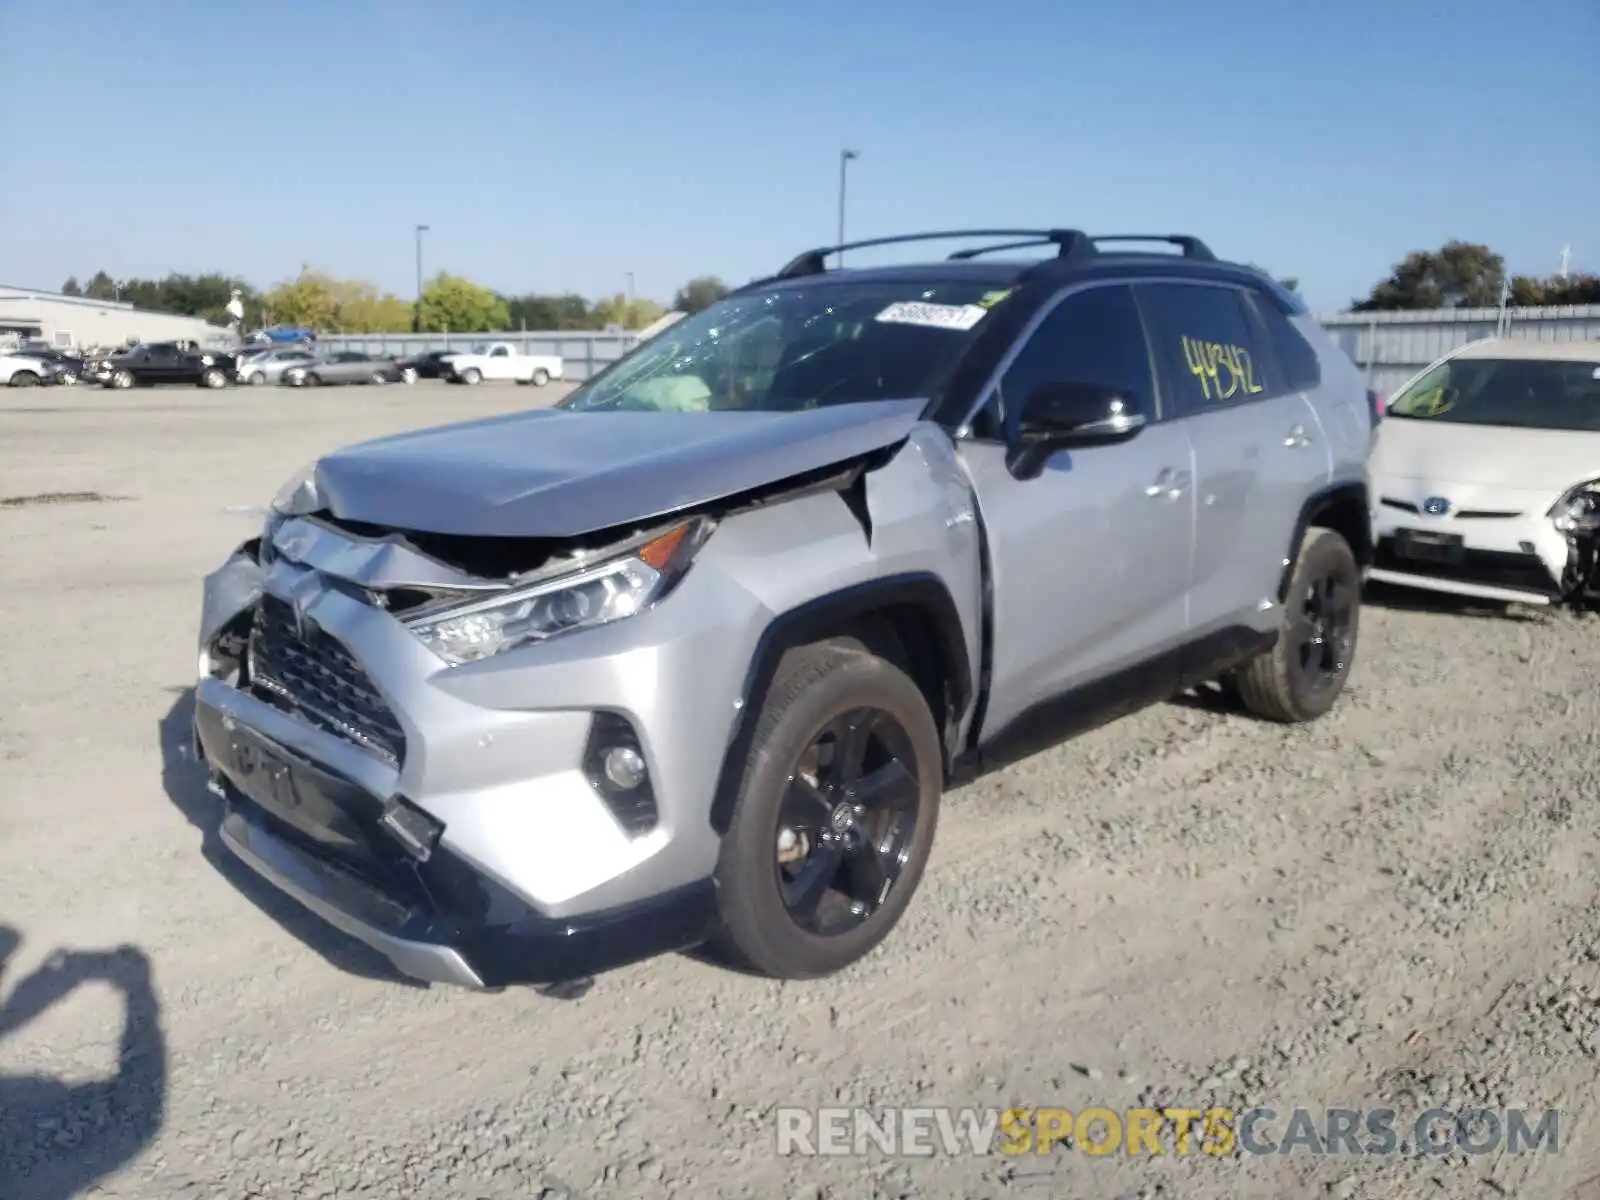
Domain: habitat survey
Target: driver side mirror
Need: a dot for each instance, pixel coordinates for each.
(1066, 415)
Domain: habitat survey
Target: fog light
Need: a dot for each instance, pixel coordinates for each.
(624, 766)
(615, 764)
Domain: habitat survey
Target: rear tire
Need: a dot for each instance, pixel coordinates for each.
(214, 379)
(1302, 676)
(540, 377)
(379, 378)
(312, 381)
(862, 823)
(24, 379)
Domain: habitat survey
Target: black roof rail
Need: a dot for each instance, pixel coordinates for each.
(1072, 243)
(1192, 247)
(815, 262)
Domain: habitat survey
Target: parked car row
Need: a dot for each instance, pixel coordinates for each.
(258, 364)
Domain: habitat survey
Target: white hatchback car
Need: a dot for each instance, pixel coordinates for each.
(1486, 474)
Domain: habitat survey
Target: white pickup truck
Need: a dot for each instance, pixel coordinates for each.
(500, 360)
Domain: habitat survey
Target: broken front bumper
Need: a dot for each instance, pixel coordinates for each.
(435, 814)
(325, 840)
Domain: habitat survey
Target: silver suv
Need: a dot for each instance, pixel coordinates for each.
(692, 656)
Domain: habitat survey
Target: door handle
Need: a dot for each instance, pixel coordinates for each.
(1168, 485)
(1298, 437)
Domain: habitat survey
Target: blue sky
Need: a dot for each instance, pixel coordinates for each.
(563, 146)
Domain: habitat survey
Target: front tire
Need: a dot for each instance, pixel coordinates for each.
(471, 376)
(214, 379)
(1302, 676)
(257, 378)
(379, 378)
(122, 380)
(837, 808)
(24, 379)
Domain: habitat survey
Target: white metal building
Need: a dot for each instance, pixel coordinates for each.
(77, 321)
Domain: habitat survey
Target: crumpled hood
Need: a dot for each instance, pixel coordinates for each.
(1486, 457)
(552, 473)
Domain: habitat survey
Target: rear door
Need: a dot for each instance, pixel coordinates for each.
(1257, 447)
(1090, 559)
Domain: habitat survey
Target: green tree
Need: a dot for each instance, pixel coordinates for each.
(1457, 275)
(699, 293)
(362, 308)
(535, 311)
(72, 287)
(630, 314)
(1529, 291)
(316, 300)
(100, 287)
(456, 305)
(308, 300)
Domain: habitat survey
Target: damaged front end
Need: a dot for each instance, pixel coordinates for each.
(1577, 517)
(482, 817)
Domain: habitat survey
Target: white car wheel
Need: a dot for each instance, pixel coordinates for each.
(541, 377)
(472, 375)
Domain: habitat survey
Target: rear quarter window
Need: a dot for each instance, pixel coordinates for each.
(1297, 358)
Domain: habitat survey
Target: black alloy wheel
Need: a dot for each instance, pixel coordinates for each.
(847, 822)
(1322, 631)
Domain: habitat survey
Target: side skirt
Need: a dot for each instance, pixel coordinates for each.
(1076, 712)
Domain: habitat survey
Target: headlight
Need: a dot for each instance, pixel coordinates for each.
(619, 587)
(298, 496)
(1578, 510)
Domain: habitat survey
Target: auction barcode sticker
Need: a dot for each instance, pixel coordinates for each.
(934, 316)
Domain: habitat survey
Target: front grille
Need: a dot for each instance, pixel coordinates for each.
(316, 679)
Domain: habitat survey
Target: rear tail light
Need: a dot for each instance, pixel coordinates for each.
(1376, 400)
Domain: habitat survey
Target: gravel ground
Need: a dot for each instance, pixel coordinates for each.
(1393, 907)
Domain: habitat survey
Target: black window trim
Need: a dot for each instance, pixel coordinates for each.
(1253, 323)
(988, 392)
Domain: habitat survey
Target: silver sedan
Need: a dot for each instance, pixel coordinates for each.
(268, 366)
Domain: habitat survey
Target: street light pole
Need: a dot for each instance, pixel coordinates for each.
(845, 157)
(417, 319)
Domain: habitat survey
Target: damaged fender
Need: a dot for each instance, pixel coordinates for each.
(231, 589)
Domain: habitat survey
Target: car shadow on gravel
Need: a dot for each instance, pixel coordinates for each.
(185, 782)
(58, 1138)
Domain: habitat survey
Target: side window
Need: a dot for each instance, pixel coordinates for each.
(499, 352)
(1297, 359)
(1094, 336)
(1205, 346)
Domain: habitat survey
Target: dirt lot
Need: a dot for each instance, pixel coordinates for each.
(1394, 907)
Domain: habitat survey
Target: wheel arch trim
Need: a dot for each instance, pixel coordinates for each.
(1351, 494)
(812, 620)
